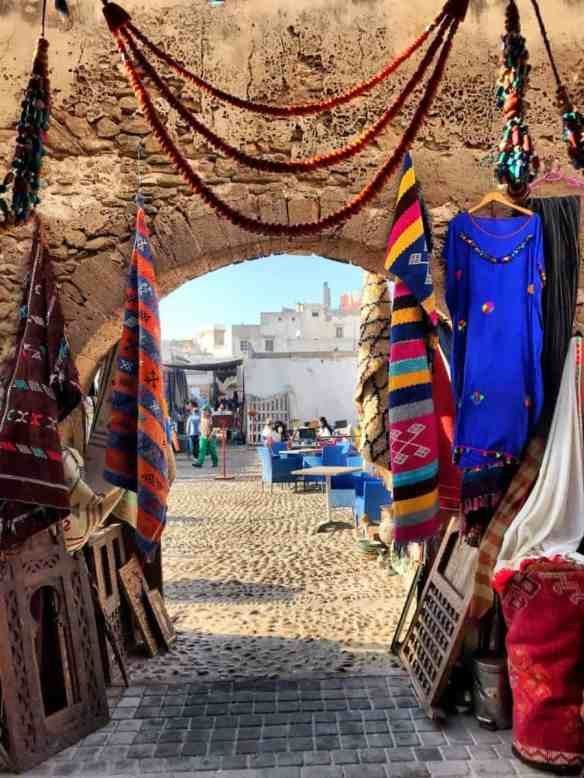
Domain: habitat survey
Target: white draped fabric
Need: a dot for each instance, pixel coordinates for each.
(551, 523)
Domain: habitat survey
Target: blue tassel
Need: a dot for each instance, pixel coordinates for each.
(62, 7)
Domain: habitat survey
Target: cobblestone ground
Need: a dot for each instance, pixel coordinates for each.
(281, 667)
(256, 593)
(351, 727)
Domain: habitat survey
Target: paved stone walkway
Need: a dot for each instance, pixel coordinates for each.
(254, 592)
(328, 727)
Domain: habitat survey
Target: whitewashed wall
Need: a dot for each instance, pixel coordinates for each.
(317, 386)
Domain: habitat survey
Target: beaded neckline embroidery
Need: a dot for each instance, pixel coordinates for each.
(489, 257)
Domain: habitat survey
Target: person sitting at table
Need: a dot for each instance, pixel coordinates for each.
(269, 434)
(325, 429)
(280, 429)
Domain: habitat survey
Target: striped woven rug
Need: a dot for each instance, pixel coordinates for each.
(413, 428)
(136, 457)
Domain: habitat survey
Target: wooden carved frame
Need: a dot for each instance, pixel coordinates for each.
(161, 618)
(136, 591)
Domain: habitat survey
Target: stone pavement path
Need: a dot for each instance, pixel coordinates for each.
(255, 593)
(327, 727)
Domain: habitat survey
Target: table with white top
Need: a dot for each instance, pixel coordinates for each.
(287, 451)
(328, 472)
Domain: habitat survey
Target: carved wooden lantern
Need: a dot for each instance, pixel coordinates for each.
(51, 673)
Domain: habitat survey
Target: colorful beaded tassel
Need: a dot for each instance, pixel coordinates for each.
(24, 174)
(517, 163)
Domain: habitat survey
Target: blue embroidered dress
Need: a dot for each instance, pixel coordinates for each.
(495, 277)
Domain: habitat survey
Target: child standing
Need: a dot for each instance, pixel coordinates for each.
(207, 444)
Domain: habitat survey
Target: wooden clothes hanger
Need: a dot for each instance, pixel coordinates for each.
(496, 197)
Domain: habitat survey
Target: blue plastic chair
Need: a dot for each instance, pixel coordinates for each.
(276, 470)
(312, 460)
(332, 456)
(277, 447)
(370, 496)
(343, 486)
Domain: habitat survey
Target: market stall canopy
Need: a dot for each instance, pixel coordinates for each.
(213, 366)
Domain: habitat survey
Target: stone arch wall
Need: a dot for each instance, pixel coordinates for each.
(187, 244)
(276, 50)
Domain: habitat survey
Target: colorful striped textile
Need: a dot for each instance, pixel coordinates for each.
(136, 457)
(420, 407)
(408, 253)
(413, 429)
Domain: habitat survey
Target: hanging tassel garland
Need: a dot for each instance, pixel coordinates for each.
(298, 165)
(572, 120)
(573, 134)
(352, 207)
(517, 163)
(118, 19)
(23, 178)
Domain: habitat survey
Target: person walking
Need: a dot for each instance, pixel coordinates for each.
(207, 443)
(193, 430)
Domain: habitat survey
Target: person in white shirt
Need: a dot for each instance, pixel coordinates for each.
(193, 430)
(325, 430)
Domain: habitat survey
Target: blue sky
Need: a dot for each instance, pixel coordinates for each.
(239, 293)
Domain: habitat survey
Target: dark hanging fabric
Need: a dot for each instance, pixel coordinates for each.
(561, 224)
(177, 392)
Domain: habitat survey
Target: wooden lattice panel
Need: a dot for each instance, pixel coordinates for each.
(433, 639)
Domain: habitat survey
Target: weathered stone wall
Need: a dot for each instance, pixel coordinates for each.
(278, 51)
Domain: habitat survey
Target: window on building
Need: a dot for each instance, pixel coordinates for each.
(315, 314)
(339, 332)
(269, 345)
(244, 346)
(219, 338)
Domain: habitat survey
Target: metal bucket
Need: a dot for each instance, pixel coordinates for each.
(491, 693)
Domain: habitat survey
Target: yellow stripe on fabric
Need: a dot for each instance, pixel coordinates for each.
(408, 236)
(409, 379)
(406, 315)
(415, 505)
(407, 180)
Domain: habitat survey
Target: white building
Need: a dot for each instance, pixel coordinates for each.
(308, 352)
(308, 327)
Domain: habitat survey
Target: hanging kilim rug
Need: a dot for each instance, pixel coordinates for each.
(41, 389)
(413, 428)
(136, 453)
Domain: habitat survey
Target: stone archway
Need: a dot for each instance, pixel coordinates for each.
(187, 246)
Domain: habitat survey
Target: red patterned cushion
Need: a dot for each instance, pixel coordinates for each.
(544, 611)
